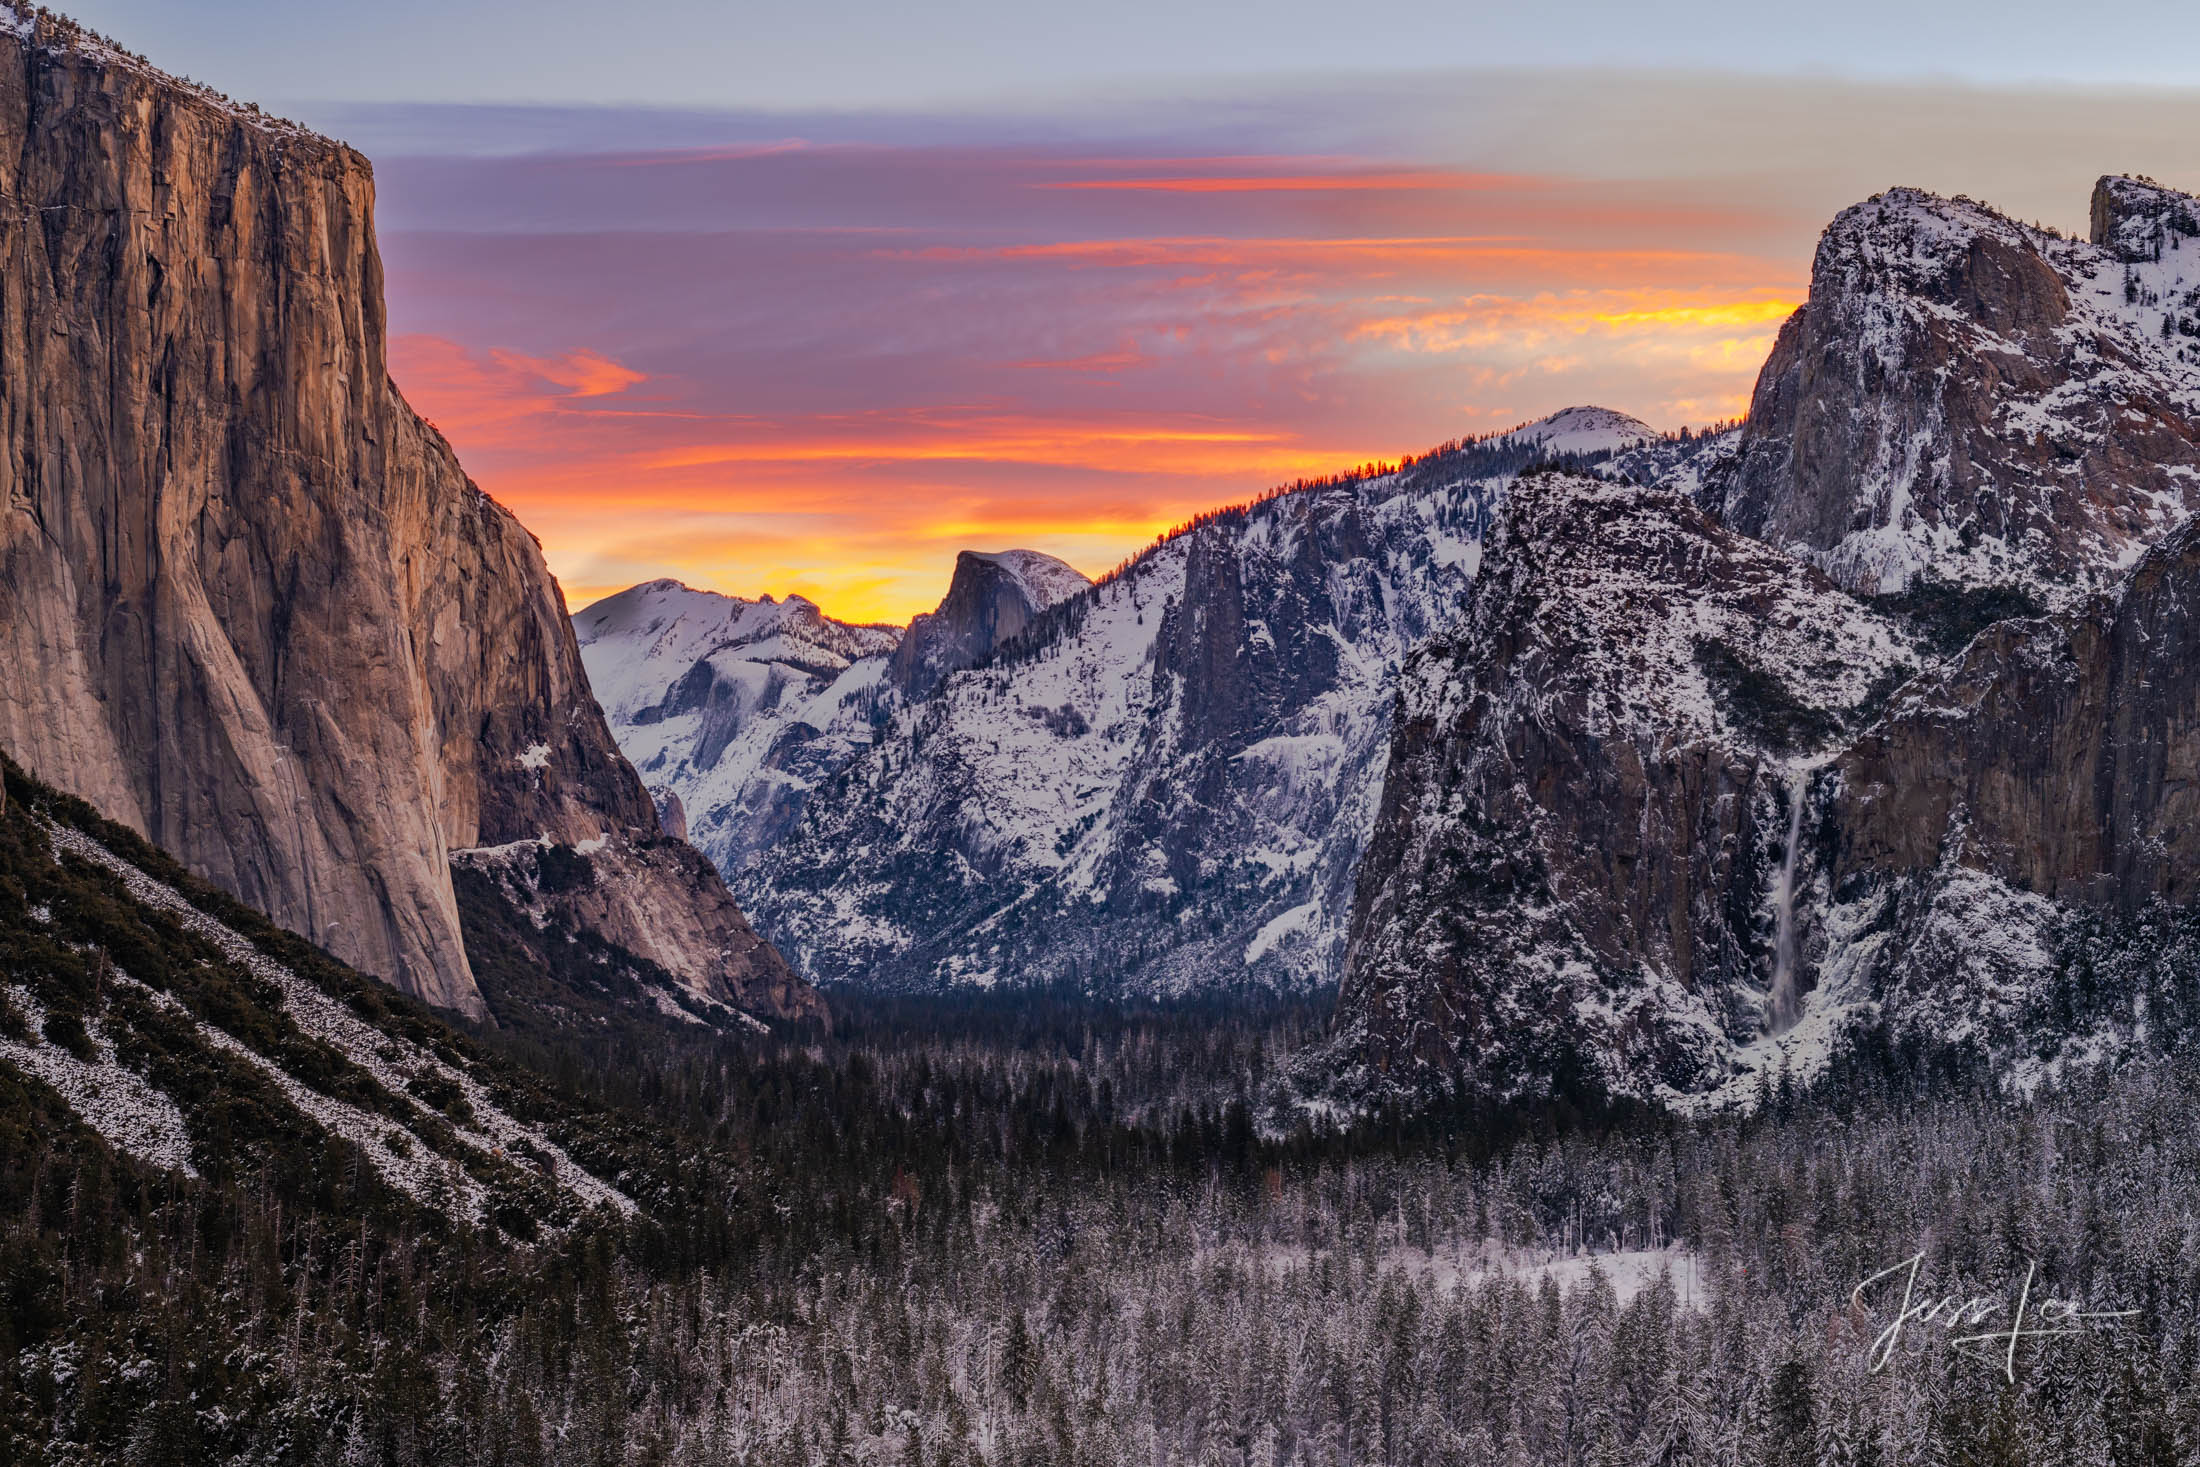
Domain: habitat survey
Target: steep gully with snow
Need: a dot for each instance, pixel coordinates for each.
(1650, 770)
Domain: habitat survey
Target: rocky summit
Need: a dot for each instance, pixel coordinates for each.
(1976, 401)
(990, 602)
(250, 604)
(1891, 742)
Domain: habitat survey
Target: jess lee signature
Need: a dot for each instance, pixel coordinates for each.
(2037, 1318)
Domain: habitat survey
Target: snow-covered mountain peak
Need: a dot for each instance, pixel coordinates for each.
(1968, 399)
(2139, 221)
(1044, 579)
(1582, 430)
(729, 705)
(992, 600)
(637, 643)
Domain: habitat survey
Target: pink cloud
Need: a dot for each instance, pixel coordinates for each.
(826, 369)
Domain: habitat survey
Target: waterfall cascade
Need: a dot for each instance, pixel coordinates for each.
(1787, 1005)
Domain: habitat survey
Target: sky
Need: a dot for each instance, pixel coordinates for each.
(804, 299)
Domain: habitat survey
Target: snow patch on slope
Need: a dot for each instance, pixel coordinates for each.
(112, 1099)
(393, 1062)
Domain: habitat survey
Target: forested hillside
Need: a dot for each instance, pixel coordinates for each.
(1029, 1230)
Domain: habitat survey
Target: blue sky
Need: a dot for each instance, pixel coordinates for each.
(869, 53)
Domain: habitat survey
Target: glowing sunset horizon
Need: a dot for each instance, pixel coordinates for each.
(833, 384)
(820, 354)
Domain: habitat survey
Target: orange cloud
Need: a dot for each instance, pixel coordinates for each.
(822, 412)
(1737, 313)
(1277, 183)
(582, 373)
(1106, 361)
(470, 392)
(1006, 439)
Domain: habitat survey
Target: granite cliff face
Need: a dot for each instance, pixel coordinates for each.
(1971, 400)
(2044, 778)
(989, 603)
(1588, 799)
(1669, 811)
(250, 604)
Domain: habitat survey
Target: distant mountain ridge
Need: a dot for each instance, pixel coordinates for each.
(1156, 784)
(735, 710)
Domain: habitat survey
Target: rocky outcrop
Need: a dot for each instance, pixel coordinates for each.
(1972, 400)
(1645, 831)
(657, 899)
(990, 601)
(2139, 222)
(1589, 790)
(250, 604)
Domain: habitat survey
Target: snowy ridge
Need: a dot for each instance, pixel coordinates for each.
(1988, 403)
(1187, 757)
(396, 1064)
(640, 642)
(1165, 783)
(735, 707)
(1577, 431)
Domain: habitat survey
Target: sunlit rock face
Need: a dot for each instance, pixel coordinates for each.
(249, 602)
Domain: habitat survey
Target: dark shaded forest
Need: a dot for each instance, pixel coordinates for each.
(1034, 1230)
